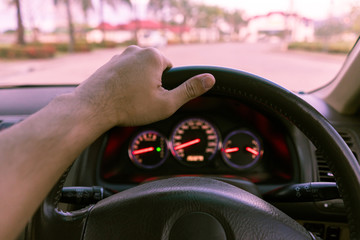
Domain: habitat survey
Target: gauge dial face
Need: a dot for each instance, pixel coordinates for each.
(194, 142)
(148, 150)
(241, 149)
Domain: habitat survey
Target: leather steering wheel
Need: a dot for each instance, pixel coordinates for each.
(203, 208)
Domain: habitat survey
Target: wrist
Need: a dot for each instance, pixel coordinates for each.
(84, 112)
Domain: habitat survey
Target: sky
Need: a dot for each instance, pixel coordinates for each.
(41, 12)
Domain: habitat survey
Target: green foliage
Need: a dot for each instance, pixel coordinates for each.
(308, 46)
(207, 15)
(48, 50)
(105, 44)
(28, 51)
(340, 47)
(330, 28)
(127, 43)
(78, 47)
(335, 47)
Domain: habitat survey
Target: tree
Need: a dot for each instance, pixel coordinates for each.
(111, 3)
(86, 5)
(354, 16)
(71, 30)
(158, 7)
(330, 27)
(186, 10)
(20, 38)
(236, 20)
(208, 15)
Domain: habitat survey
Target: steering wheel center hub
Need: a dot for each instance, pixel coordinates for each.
(197, 226)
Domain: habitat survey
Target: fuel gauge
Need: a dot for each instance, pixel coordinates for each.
(148, 149)
(242, 149)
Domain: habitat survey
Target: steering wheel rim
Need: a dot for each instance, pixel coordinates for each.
(263, 94)
(268, 95)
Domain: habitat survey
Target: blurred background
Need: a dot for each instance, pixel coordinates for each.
(240, 34)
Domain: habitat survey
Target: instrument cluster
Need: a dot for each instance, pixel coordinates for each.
(194, 142)
(207, 136)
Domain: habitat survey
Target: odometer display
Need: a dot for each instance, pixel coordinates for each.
(194, 142)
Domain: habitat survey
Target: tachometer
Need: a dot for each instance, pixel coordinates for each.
(194, 142)
(241, 149)
(148, 149)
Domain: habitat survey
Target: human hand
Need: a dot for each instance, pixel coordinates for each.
(127, 90)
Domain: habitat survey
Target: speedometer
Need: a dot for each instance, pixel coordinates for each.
(194, 142)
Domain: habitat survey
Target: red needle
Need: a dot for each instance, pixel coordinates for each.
(230, 150)
(144, 150)
(187, 144)
(252, 151)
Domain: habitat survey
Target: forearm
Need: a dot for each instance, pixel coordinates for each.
(37, 151)
(125, 91)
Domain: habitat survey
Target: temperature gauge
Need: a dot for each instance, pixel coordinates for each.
(241, 149)
(148, 150)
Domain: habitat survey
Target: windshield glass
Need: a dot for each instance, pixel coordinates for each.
(299, 44)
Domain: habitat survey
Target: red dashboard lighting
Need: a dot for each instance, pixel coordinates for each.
(231, 150)
(252, 151)
(144, 150)
(187, 144)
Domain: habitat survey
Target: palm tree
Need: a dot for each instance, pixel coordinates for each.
(20, 26)
(111, 3)
(87, 5)
(158, 6)
(184, 8)
(236, 20)
(70, 23)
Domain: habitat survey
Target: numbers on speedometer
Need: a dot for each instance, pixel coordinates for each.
(194, 142)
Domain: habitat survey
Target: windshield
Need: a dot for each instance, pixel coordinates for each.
(299, 44)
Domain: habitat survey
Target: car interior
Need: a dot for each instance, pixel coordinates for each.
(249, 159)
(298, 152)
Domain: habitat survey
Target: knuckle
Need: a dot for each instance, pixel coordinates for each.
(132, 48)
(152, 54)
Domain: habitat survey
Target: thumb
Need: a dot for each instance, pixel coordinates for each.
(192, 88)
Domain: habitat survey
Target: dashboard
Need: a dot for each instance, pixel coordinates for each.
(207, 136)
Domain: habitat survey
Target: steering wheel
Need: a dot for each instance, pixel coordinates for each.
(204, 208)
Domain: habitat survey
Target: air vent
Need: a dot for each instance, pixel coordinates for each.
(349, 139)
(325, 175)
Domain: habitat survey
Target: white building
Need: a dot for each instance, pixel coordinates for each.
(279, 26)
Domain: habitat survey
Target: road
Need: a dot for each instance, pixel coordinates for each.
(295, 70)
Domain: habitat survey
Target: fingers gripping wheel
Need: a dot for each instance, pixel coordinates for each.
(153, 210)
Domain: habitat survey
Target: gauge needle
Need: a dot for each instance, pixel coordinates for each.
(144, 150)
(252, 151)
(230, 150)
(187, 144)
